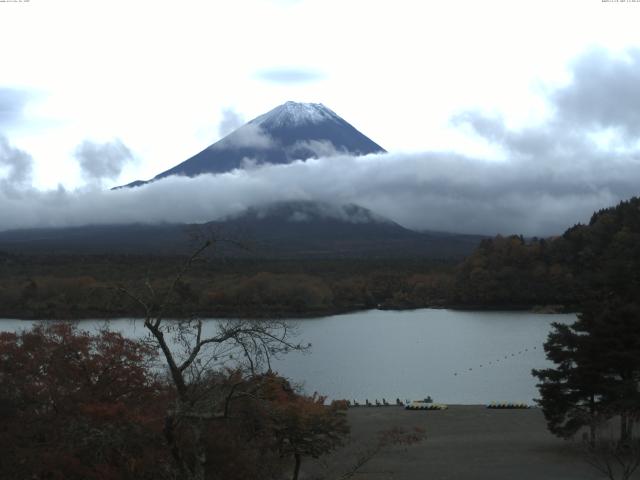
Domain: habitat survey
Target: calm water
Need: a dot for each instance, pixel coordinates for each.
(453, 356)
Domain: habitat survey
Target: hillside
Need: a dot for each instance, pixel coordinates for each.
(281, 230)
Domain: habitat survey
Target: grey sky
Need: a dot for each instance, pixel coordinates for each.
(604, 93)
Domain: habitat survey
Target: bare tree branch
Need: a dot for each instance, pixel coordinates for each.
(202, 395)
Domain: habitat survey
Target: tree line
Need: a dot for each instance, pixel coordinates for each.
(569, 269)
(69, 287)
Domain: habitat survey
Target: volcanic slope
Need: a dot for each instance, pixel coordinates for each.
(289, 132)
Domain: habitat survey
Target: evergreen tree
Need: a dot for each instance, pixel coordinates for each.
(597, 371)
(571, 392)
(614, 330)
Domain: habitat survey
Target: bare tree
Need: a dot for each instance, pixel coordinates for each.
(395, 436)
(195, 354)
(617, 460)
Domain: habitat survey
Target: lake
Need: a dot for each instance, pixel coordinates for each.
(457, 357)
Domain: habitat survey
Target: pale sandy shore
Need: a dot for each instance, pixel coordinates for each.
(464, 442)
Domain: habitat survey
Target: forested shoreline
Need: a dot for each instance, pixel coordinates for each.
(73, 287)
(503, 273)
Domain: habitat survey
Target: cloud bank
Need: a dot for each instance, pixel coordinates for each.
(436, 191)
(556, 173)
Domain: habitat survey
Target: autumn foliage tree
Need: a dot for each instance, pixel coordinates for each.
(78, 406)
(303, 426)
(75, 405)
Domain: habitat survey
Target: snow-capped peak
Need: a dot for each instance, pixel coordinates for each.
(294, 113)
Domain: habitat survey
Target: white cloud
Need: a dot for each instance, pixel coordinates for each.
(248, 136)
(289, 75)
(231, 120)
(99, 161)
(313, 148)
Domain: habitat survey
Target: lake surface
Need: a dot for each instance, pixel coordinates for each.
(456, 357)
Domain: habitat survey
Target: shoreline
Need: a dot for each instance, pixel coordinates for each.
(290, 315)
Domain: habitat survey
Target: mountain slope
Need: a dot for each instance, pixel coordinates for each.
(281, 230)
(292, 131)
(322, 230)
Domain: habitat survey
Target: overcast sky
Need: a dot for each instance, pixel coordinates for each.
(499, 116)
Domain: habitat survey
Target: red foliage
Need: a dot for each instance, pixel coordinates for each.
(303, 426)
(75, 405)
(79, 406)
(269, 428)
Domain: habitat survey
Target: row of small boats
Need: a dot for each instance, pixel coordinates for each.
(428, 404)
(422, 405)
(507, 405)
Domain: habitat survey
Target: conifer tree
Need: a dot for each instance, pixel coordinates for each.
(597, 371)
(572, 391)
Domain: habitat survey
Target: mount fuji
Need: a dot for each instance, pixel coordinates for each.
(293, 229)
(289, 132)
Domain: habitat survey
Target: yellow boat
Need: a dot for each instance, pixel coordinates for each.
(422, 405)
